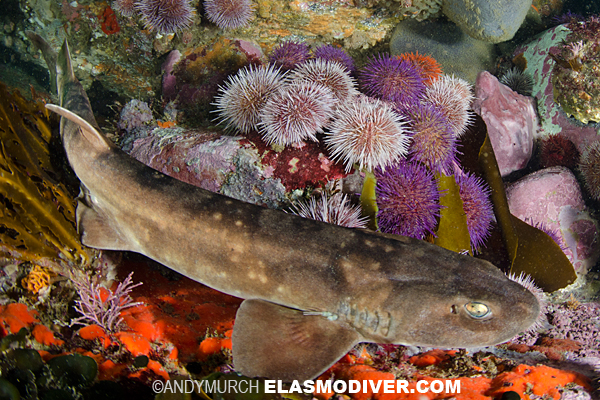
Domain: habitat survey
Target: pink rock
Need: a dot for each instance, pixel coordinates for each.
(552, 197)
(169, 81)
(511, 121)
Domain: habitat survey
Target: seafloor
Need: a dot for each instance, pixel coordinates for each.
(83, 323)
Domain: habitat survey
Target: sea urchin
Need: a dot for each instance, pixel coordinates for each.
(433, 141)
(408, 200)
(590, 168)
(298, 111)
(335, 209)
(477, 206)
(330, 74)
(165, 16)
(518, 81)
(452, 97)
(240, 100)
(288, 55)
(392, 79)
(557, 150)
(367, 132)
(228, 14)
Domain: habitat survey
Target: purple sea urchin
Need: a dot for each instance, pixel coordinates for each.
(244, 94)
(408, 200)
(298, 111)
(124, 7)
(369, 133)
(335, 209)
(392, 79)
(331, 53)
(330, 74)
(229, 14)
(452, 97)
(433, 143)
(289, 54)
(165, 16)
(590, 169)
(477, 206)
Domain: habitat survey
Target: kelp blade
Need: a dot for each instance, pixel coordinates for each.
(37, 220)
(452, 232)
(531, 251)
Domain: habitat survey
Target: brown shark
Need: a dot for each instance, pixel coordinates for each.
(312, 290)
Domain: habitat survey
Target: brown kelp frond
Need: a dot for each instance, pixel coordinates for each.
(37, 216)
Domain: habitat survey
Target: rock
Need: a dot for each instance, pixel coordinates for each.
(536, 56)
(552, 197)
(457, 53)
(511, 121)
(492, 21)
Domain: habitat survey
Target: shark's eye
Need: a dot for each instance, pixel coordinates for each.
(477, 310)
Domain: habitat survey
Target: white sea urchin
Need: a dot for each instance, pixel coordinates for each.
(298, 111)
(244, 94)
(367, 132)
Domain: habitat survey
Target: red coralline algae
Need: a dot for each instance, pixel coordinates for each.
(109, 22)
(297, 167)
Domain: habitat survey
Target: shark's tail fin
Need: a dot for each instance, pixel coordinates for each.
(71, 94)
(49, 55)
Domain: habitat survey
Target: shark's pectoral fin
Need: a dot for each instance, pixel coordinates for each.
(96, 230)
(281, 343)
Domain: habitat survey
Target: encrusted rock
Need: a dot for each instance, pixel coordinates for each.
(511, 121)
(552, 197)
(457, 53)
(492, 21)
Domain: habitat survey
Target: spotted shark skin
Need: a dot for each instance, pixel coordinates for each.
(312, 290)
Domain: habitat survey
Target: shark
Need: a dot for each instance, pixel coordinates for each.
(311, 290)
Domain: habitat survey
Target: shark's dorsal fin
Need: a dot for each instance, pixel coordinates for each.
(98, 140)
(63, 64)
(278, 342)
